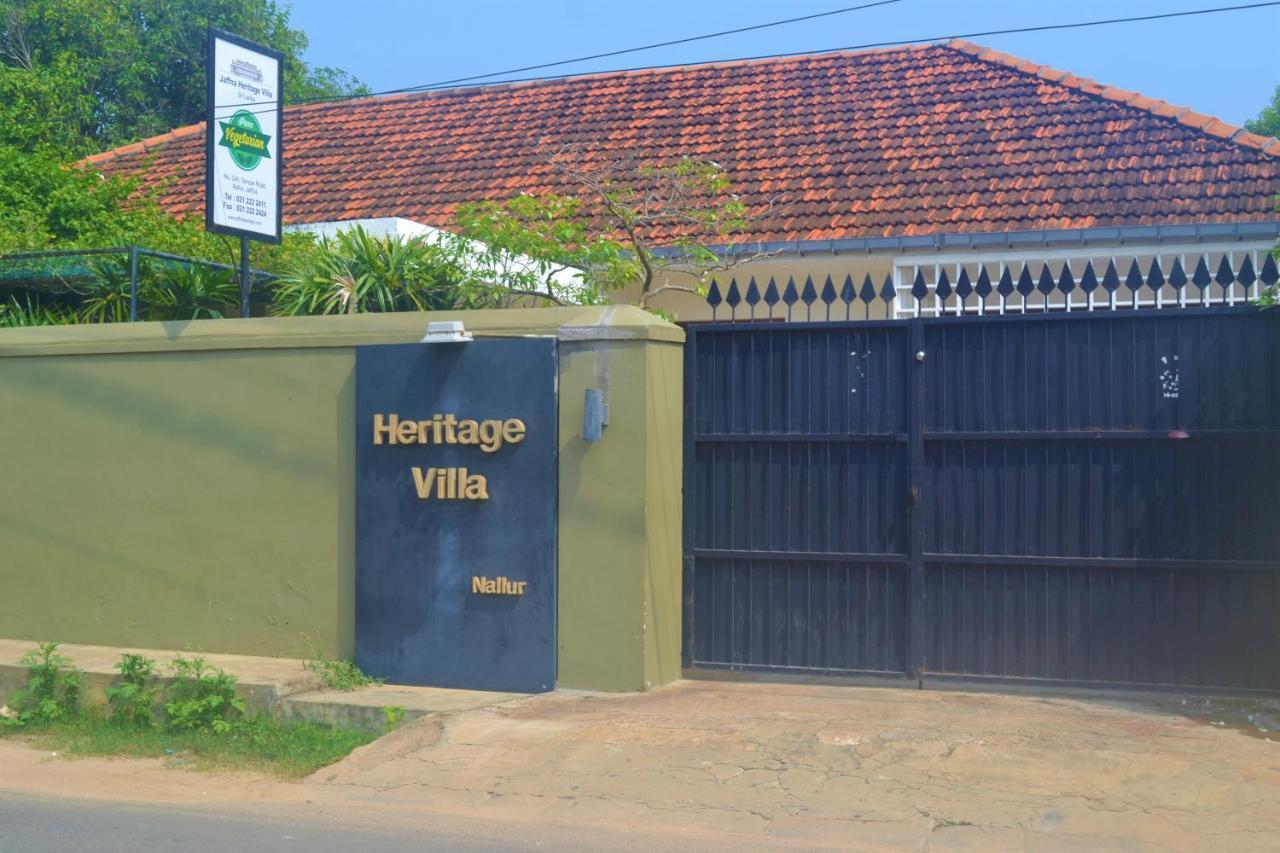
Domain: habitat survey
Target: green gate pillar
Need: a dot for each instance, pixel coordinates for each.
(620, 503)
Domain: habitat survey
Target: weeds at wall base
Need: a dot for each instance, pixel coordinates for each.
(341, 675)
(51, 694)
(203, 725)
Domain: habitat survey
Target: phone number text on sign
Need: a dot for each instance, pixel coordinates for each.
(245, 205)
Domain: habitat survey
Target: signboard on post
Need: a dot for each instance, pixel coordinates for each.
(244, 125)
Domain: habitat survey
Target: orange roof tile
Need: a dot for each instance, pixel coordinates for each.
(917, 140)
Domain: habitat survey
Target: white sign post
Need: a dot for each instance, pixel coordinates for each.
(243, 159)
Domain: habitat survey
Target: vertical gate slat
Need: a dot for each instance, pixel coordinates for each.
(692, 505)
(916, 661)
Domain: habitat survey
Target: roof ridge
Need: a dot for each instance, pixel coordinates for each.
(506, 85)
(498, 86)
(1206, 124)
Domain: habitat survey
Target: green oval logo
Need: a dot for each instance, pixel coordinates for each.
(244, 137)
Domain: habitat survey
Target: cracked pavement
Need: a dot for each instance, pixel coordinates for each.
(733, 765)
(849, 766)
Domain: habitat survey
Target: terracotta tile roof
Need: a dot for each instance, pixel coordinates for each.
(919, 140)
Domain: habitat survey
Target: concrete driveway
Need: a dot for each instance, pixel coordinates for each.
(725, 765)
(854, 767)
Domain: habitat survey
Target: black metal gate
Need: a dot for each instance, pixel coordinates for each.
(1086, 497)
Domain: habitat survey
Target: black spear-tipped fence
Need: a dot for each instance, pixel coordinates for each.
(835, 305)
(986, 287)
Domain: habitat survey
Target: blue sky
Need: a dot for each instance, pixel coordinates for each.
(1220, 64)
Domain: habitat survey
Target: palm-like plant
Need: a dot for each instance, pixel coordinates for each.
(166, 291)
(106, 297)
(191, 292)
(17, 313)
(355, 273)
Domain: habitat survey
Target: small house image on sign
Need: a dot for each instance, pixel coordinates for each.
(248, 70)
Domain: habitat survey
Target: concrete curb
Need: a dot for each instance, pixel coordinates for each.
(279, 687)
(259, 697)
(367, 707)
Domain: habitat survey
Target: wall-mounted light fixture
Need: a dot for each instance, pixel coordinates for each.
(595, 415)
(446, 332)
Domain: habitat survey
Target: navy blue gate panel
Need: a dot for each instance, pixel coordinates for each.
(1076, 497)
(1099, 498)
(456, 576)
(798, 545)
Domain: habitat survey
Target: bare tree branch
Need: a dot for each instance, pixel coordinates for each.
(15, 44)
(537, 294)
(633, 222)
(679, 288)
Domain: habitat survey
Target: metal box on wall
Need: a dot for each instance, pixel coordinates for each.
(456, 476)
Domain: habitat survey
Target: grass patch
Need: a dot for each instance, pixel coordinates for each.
(197, 721)
(287, 749)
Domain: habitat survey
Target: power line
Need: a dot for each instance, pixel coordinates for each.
(655, 45)
(869, 45)
(575, 60)
(428, 87)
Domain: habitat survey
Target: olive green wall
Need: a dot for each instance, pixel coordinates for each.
(168, 485)
(167, 499)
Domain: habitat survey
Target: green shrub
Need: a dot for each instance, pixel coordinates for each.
(28, 312)
(52, 691)
(193, 293)
(202, 697)
(132, 701)
(394, 715)
(341, 675)
(354, 272)
(166, 291)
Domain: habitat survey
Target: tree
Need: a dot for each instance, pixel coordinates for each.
(662, 227)
(1268, 124)
(1268, 121)
(44, 199)
(127, 69)
(40, 199)
(78, 76)
(543, 249)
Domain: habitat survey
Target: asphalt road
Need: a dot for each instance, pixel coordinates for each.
(29, 825)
